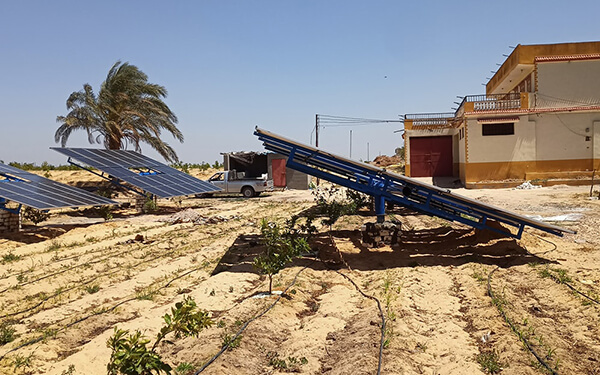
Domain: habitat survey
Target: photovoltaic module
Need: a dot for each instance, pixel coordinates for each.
(138, 170)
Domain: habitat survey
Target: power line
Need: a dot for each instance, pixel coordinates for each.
(337, 121)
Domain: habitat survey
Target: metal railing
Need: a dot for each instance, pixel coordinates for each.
(493, 102)
(483, 102)
(427, 119)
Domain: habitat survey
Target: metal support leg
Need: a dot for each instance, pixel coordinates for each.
(380, 208)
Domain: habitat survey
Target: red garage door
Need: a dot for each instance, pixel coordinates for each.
(279, 179)
(431, 156)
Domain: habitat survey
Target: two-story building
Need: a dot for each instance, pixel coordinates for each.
(539, 120)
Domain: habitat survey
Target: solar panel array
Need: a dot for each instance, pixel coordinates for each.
(151, 176)
(399, 189)
(38, 192)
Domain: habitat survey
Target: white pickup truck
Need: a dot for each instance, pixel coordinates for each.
(235, 182)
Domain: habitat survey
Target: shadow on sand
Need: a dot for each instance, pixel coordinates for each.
(440, 246)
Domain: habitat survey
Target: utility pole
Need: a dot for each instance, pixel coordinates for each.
(350, 144)
(317, 130)
(317, 139)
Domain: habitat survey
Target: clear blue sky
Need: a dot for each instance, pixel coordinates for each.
(231, 65)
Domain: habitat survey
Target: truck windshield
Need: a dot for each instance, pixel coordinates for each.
(217, 177)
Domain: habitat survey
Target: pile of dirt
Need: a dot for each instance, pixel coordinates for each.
(191, 216)
(384, 161)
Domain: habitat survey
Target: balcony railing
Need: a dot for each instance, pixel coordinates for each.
(493, 102)
(428, 119)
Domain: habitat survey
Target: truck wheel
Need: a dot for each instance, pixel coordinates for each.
(247, 192)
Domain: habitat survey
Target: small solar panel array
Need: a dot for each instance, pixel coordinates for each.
(140, 171)
(38, 192)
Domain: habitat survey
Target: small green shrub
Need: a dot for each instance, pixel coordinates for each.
(34, 215)
(282, 246)
(21, 362)
(333, 205)
(184, 368)
(489, 362)
(150, 204)
(91, 289)
(7, 333)
(105, 212)
(230, 342)
(10, 257)
(291, 365)
(130, 354)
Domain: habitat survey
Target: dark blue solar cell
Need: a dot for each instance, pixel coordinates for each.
(149, 175)
(38, 192)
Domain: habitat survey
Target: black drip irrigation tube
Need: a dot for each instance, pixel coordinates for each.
(514, 328)
(243, 328)
(239, 332)
(559, 281)
(69, 325)
(382, 340)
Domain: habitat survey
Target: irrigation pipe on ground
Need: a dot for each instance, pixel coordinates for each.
(239, 332)
(513, 327)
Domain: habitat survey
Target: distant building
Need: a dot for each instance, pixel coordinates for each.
(254, 164)
(539, 120)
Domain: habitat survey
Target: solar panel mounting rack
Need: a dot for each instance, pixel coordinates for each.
(385, 187)
(147, 174)
(41, 193)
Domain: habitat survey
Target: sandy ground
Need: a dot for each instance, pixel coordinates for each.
(67, 283)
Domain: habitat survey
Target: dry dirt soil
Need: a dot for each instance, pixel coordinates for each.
(68, 282)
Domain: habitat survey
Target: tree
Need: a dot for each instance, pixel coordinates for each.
(127, 110)
(129, 351)
(281, 247)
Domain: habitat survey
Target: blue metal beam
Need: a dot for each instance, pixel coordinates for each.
(111, 180)
(389, 187)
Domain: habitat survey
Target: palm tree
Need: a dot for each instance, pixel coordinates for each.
(127, 110)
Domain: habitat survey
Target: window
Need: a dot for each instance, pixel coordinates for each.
(503, 128)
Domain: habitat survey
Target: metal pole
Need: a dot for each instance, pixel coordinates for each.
(317, 139)
(368, 152)
(317, 130)
(350, 144)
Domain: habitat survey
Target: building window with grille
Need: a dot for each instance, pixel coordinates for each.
(503, 128)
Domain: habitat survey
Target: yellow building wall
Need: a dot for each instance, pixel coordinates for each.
(568, 83)
(526, 54)
(542, 143)
(596, 145)
(502, 148)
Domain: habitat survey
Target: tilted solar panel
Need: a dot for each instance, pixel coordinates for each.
(38, 192)
(404, 191)
(141, 171)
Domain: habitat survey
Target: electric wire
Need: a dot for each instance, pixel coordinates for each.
(328, 121)
(592, 103)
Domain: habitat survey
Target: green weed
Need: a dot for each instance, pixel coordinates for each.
(7, 333)
(489, 362)
(10, 257)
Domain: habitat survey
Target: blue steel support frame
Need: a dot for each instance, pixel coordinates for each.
(3, 201)
(111, 180)
(403, 191)
(11, 210)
